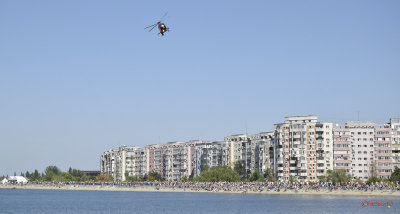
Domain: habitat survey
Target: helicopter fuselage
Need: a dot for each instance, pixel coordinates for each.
(162, 27)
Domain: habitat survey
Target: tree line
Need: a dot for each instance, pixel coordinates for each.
(239, 173)
(54, 174)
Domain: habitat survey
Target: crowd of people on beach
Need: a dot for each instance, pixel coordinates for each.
(242, 187)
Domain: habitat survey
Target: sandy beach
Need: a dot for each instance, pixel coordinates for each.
(187, 190)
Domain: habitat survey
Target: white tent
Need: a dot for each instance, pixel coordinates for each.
(4, 181)
(17, 180)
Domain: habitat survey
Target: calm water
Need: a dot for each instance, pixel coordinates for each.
(59, 201)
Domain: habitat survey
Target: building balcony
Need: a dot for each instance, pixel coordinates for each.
(384, 174)
(341, 167)
(383, 148)
(383, 154)
(342, 148)
(384, 167)
(342, 161)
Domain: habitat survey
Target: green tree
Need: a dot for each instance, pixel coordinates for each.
(52, 169)
(52, 173)
(293, 179)
(65, 176)
(395, 174)
(104, 178)
(240, 169)
(35, 176)
(256, 176)
(322, 178)
(155, 176)
(205, 168)
(50, 176)
(359, 181)
(269, 174)
(218, 174)
(373, 180)
(129, 178)
(337, 176)
(77, 175)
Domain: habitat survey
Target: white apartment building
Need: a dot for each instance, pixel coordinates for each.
(255, 150)
(126, 159)
(383, 151)
(209, 154)
(303, 148)
(173, 160)
(342, 148)
(262, 156)
(354, 148)
(395, 125)
(239, 148)
(363, 149)
(107, 163)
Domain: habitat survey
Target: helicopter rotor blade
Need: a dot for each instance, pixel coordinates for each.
(164, 16)
(153, 27)
(150, 26)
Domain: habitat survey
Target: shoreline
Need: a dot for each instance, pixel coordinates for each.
(180, 190)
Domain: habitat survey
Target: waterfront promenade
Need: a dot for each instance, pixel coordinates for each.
(379, 189)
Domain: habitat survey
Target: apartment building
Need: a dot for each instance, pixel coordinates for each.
(209, 154)
(262, 156)
(125, 159)
(303, 148)
(300, 148)
(173, 160)
(383, 151)
(107, 162)
(155, 158)
(395, 125)
(239, 149)
(354, 148)
(363, 149)
(342, 148)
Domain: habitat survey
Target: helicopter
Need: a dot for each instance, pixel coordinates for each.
(161, 26)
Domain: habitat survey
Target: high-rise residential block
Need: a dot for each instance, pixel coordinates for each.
(303, 148)
(363, 149)
(395, 125)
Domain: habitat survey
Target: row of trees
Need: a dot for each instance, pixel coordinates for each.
(239, 173)
(226, 173)
(240, 169)
(152, 176)
(339, 176)
(53, 173)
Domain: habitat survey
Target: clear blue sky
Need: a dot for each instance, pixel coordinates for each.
(80, 77)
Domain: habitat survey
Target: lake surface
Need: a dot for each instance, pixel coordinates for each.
(61, 201)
